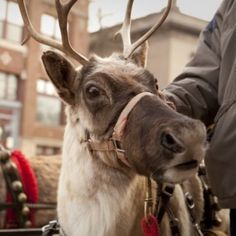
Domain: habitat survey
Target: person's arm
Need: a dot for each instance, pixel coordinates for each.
(195, 90)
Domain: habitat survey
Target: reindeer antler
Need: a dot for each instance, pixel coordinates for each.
(65, 46)
(128, 47)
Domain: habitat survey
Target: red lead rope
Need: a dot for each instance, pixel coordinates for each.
(150, 226)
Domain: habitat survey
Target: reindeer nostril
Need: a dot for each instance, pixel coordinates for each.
(169, 139)
(169, 142)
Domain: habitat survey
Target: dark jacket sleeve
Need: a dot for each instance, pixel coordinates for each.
(195, 90)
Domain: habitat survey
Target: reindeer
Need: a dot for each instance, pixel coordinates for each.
(119, 131)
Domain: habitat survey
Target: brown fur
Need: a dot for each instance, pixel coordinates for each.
(46, 169)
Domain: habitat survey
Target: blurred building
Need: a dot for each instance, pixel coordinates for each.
(31, 116)
(170, 48)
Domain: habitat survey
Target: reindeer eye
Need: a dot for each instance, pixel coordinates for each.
(93, 92)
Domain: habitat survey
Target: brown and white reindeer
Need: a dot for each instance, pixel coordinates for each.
(118, 131)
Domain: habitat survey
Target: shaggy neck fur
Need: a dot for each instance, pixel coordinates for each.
(92, 197)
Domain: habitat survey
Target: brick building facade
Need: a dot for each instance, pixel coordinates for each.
(31, 116)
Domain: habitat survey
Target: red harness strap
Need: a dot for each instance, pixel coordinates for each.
(30, 187)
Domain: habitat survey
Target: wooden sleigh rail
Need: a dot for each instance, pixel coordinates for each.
(21, 232)
(52, 229)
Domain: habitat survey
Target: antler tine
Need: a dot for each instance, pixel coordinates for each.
(62, 12)
(125, 29)
(128, 50)
(66, 48)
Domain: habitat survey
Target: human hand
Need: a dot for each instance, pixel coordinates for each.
(165, 98)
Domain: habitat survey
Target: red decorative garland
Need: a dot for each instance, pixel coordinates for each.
(30, 187)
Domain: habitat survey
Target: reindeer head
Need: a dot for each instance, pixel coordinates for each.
(154, 140)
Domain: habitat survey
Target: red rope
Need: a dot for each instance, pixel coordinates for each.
(30, 187)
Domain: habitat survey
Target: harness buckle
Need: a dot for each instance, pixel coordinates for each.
(189, 200)
(148, 204)
(168, 190)
(190, 204)
(175, 226)
(148, 201)
(51, 229)
(117, 146)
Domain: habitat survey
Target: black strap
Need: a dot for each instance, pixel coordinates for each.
(190, 204)
(211, 205)
(174, 223)
(164, 193)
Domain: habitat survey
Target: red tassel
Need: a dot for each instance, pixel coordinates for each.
(150, 226)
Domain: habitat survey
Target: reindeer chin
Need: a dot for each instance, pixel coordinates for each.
(179, 174)
(187, 165)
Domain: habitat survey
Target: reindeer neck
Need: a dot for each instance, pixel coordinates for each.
(91, 190)
(89, 168)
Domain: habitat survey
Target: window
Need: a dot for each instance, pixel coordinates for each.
(6, 134)
(47, 150)
(48, 110)
(50, 26)
(49, 107)
(8, 85)
(45, 87)
(11, 23)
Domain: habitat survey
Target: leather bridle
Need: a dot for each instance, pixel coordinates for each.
(114, 143)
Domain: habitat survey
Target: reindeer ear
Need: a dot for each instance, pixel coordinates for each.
(62, 74)
(140, 55)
